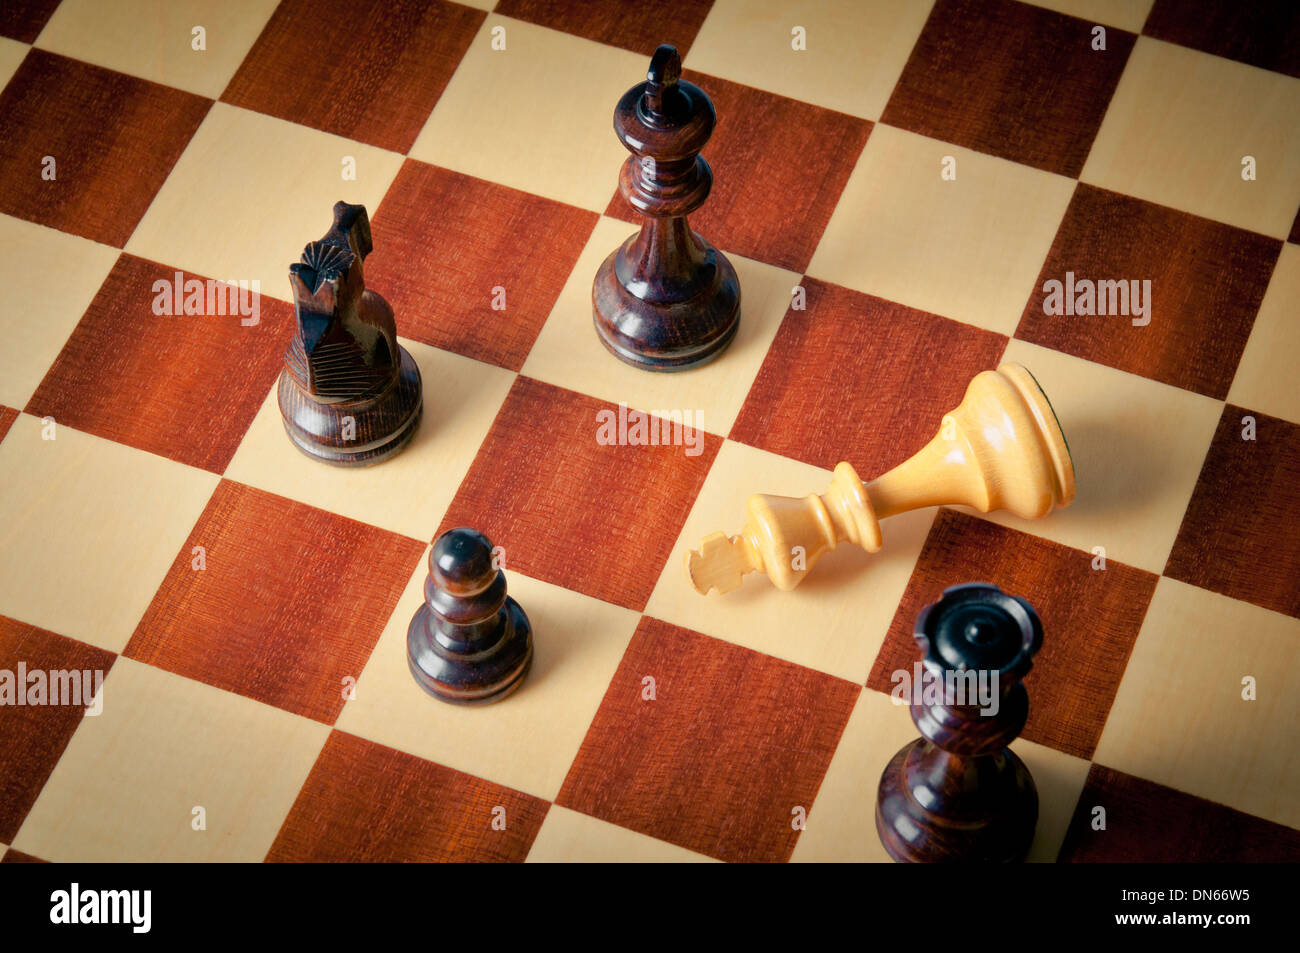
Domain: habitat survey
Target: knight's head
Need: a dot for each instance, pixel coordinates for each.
(328, 281)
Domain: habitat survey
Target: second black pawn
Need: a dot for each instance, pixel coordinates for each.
(469, 643)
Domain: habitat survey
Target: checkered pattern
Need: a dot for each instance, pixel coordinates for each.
(250, 606)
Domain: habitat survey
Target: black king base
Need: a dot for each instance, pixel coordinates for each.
(470, 643)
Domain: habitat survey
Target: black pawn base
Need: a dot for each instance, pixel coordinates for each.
(458, 675)
(470, 643)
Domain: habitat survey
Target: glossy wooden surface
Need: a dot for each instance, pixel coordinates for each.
(349, 393)
(666, 299)
(469, 643)
(958, 793)
(1002, 448)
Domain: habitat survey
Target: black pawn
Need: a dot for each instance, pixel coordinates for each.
(958, 793)
(470, 643)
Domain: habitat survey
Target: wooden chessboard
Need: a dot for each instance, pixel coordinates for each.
(234, 590)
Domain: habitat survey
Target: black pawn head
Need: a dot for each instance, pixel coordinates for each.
(461, 562)
(978, 626)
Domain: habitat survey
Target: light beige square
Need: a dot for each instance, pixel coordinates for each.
(1137, 447)
(853, 52)
(1180, 717)
(526, 741)
(88, 530)
(842, 822)
(49, 277)
(11, 55)
(408, 493)
(569, 837)
(968, 248)
(127, 786)
(250, 191)
(836, 620)
(1179, 125)
(153, 39)
(536, 116)
(1266, 378)
(1125, 14)
(568, 353)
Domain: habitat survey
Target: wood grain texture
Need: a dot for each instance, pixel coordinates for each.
(1238, 536)
(349, 394)
(7, 417)
(291, 601)
(144, 379)
(665, 299)
(468, 643)
(1263, 33)
(1092, 619)
(681, 767)
(1000, 449)
(32, 737)
(1150, 823)
(1207, 281)
(631, 24)
(114, 139)
(444, 241)
(779, 166)
(365, 802)
(23, 20)
(370, 70)
(958, 793)
(568, 510)
(909, 368)
(1009, 79)
(18, 857)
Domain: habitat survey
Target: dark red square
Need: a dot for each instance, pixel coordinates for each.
(779, 166)
(1090, 617)
(23, 20)
(113, 140)
(718, 761)
(370, 70)
(18, 857)
(1263, 33)
(597, 518)
(33, 736)
(1238, 535)
(290, 600)
(908, 369)
(1150, 823)
(365, 802)
(450, 248)
(1206, 282)
(632, 24)
(1011, 80)
(160, 382)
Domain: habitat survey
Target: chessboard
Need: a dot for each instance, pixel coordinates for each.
(896, 183)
